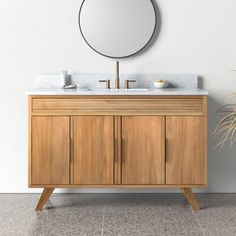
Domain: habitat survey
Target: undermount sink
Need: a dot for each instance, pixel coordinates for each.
(121, 90)
(136, 90)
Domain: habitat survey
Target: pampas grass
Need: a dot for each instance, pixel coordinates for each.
(226, 127)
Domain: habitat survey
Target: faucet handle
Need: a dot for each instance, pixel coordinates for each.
(108, 84)
(127, 81)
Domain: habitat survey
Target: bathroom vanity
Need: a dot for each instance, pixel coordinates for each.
(123, 139)
(118, 138)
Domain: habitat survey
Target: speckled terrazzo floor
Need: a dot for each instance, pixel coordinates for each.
(117, 214)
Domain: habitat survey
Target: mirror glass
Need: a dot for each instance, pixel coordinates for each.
(117, 28)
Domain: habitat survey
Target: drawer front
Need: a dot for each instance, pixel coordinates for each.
(181, 105)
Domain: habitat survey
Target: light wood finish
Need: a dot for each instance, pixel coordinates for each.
(71, 150)
(50, 150)
(29, 139)
(109, 105)
(185, 154)
(205, 139)
(118, 141)
(117, 145)
(143, 150)
(43, 198)
(131, 186)
(93, 149)
(191, 198)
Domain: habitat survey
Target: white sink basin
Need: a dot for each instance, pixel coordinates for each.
(121, 90)
(136, 90)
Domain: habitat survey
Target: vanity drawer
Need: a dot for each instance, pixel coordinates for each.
(97, 105)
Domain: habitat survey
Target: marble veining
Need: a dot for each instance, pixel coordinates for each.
(89, 85)
(142, 80)
(89, 80)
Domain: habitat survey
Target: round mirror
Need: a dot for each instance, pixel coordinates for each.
(117, 28)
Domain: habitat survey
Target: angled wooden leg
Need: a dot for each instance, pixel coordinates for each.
(191, 198)
(43, 198)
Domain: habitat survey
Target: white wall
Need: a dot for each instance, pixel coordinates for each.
(197, 36)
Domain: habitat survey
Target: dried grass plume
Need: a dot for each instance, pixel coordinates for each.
(226, 127)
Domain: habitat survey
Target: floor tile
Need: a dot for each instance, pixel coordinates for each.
(217, 216)
(70, 214)
(149, 214)
(117, 214)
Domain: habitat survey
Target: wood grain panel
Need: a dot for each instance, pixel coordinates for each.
(29, 139)
(93, 142)
(185, 154)
(143, 150)
(50, 150)
(134, 186)
(205, 140)
(185, 167)
(117, 179)
(119, 106)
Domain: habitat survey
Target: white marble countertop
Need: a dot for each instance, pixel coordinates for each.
(153, 92)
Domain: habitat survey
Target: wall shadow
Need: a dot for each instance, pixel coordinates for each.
(200, 82)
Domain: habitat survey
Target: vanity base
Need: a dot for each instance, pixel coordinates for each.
(186, 191)
(191, 198)
(188, 194)
(43, 198)
(129, 141)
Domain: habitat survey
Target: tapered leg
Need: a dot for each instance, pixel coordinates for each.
(43, 198)
(191, 198)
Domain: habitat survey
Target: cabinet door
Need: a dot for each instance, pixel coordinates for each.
(50, 150)
(143, 150)
(185, 160)
(93, 141)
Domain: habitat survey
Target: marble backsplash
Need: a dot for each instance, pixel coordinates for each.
(142, 80)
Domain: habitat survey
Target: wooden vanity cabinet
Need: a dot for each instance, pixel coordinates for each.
(143, 150)
(50, 150)
(93, 150)
(185, 146)
(118, 141)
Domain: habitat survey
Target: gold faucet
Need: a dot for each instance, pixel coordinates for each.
(127, 83)
(108, 86)
(117, 82)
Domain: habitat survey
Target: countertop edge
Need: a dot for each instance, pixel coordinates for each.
(172, 92)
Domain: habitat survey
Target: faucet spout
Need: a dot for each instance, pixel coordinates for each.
(117, 82)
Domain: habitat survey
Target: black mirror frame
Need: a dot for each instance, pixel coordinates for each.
(154, 30)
